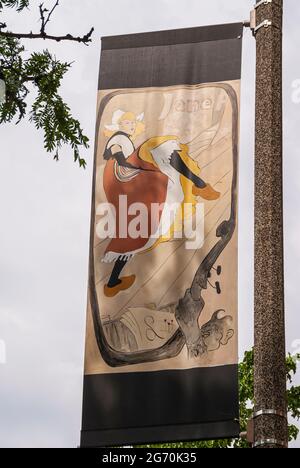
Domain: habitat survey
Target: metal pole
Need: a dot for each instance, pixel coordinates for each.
(270, 423)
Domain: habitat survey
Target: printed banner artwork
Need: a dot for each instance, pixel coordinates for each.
(161, 345)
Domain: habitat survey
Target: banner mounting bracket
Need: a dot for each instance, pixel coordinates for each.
(268, 442)
(263, 24)
(253, 17)
(262, 2)
(270, 412)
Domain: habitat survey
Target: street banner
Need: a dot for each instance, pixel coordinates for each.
(161, 360)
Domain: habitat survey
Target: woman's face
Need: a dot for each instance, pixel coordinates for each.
(128, 126)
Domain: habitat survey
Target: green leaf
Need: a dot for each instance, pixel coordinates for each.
(18, 4)
(48, 112)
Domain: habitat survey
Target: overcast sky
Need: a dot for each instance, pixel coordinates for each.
(45, 215)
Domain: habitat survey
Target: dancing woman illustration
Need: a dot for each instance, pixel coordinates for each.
(160, 172)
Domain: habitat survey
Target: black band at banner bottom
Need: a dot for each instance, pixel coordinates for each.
(166, 406)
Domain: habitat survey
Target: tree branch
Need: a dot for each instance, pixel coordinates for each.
(42, 17)
(45, 20)
(45, 17)
(50, 13)
(87, 38)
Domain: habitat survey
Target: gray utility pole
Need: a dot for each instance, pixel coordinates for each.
(270, 422)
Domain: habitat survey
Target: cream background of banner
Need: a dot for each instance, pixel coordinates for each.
(164, 274)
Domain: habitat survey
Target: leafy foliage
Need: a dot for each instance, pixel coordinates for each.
(41, 74)
(18, 4)
(246, 395)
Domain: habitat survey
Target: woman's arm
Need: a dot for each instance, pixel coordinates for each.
(118, 154)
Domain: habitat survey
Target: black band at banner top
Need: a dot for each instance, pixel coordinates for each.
(167, 58)
(174, 36)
